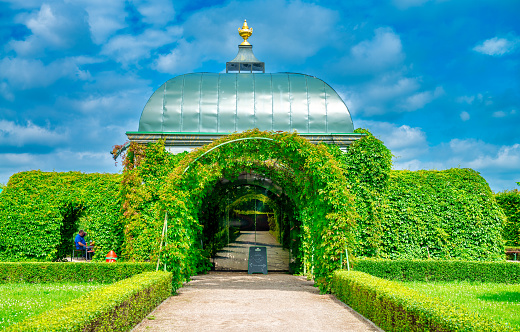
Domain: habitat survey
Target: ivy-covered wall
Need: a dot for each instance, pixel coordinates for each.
(509, 201)
(41, 211)
(450, 214)
(336, 199)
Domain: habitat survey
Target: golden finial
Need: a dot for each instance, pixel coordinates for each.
(245, 33)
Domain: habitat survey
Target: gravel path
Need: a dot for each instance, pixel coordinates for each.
(226, 301)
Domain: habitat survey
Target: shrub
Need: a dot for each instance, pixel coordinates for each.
(440, 270)
(509, 201)
(40, 272)
(117, 307)
(394, 307)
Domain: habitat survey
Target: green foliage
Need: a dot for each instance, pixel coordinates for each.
(394, 307)
(509, 201)
(17, 301)
(322, 201)
(40, 212)
(42, 272)
(309, 175)
(367, 164)
(449, 214)
(440, 270)
(117, 307)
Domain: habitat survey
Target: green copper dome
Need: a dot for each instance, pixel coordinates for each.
(226, 103)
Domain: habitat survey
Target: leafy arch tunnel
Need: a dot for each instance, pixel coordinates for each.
(308, 174)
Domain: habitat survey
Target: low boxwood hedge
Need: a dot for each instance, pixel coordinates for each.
(39, 272)
(116, 307)
(440, 270)
(394, 307)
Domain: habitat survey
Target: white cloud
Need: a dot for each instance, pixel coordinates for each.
(5, 91)
(176, 61)
(404, 141)
(104, 17)
(497, 46)
(60, 161)
(157, 12)
(464, 116)
(28, 73)
(420, 99)
(383, 51)
(128, 49)
(202, 41)
(54, 26)
(12, 134)
(507, 157)
(465, 99)
(390, 93)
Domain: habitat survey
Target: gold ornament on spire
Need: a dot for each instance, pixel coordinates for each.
(245, 33)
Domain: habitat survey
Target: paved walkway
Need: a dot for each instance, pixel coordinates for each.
(226, 301)
(234, 256)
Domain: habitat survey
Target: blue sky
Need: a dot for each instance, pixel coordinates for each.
(437, 81)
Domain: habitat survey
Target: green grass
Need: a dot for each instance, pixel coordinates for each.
(500, 302)
(20, 301)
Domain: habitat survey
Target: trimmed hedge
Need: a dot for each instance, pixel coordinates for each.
(450, 214)
(117, 307)
(440, 270)
(40, 212)
(70, 272)
(394, 307)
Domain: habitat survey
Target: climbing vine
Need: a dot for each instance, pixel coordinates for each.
(322, 201)
(309, 174)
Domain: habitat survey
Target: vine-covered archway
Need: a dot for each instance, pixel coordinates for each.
(309, 175)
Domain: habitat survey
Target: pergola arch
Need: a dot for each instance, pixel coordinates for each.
(316, 185)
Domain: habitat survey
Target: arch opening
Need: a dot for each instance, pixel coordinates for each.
(252, 210)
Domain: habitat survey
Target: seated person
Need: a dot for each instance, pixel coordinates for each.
(80, 242)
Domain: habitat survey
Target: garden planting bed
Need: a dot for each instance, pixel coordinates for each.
(433, 295)
(78, 296)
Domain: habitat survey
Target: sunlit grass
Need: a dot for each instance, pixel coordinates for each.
(20, 301)
(500, 302)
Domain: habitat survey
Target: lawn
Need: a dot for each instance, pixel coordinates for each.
(500, 302)
(20, 301)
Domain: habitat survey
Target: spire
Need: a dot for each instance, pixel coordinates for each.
(245, 61)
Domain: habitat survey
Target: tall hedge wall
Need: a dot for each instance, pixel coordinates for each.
(440, 214)
(41, 211)
(449, 214)
(509, 201)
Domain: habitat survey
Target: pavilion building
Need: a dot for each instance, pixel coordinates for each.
(194, 109)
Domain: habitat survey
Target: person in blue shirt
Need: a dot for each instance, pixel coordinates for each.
(80, 242)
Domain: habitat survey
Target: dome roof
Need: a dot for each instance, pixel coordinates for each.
(226, 103)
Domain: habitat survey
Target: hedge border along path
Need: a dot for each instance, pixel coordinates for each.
(117, 307)
(394, 307)
(440, 270)
(41, 272)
